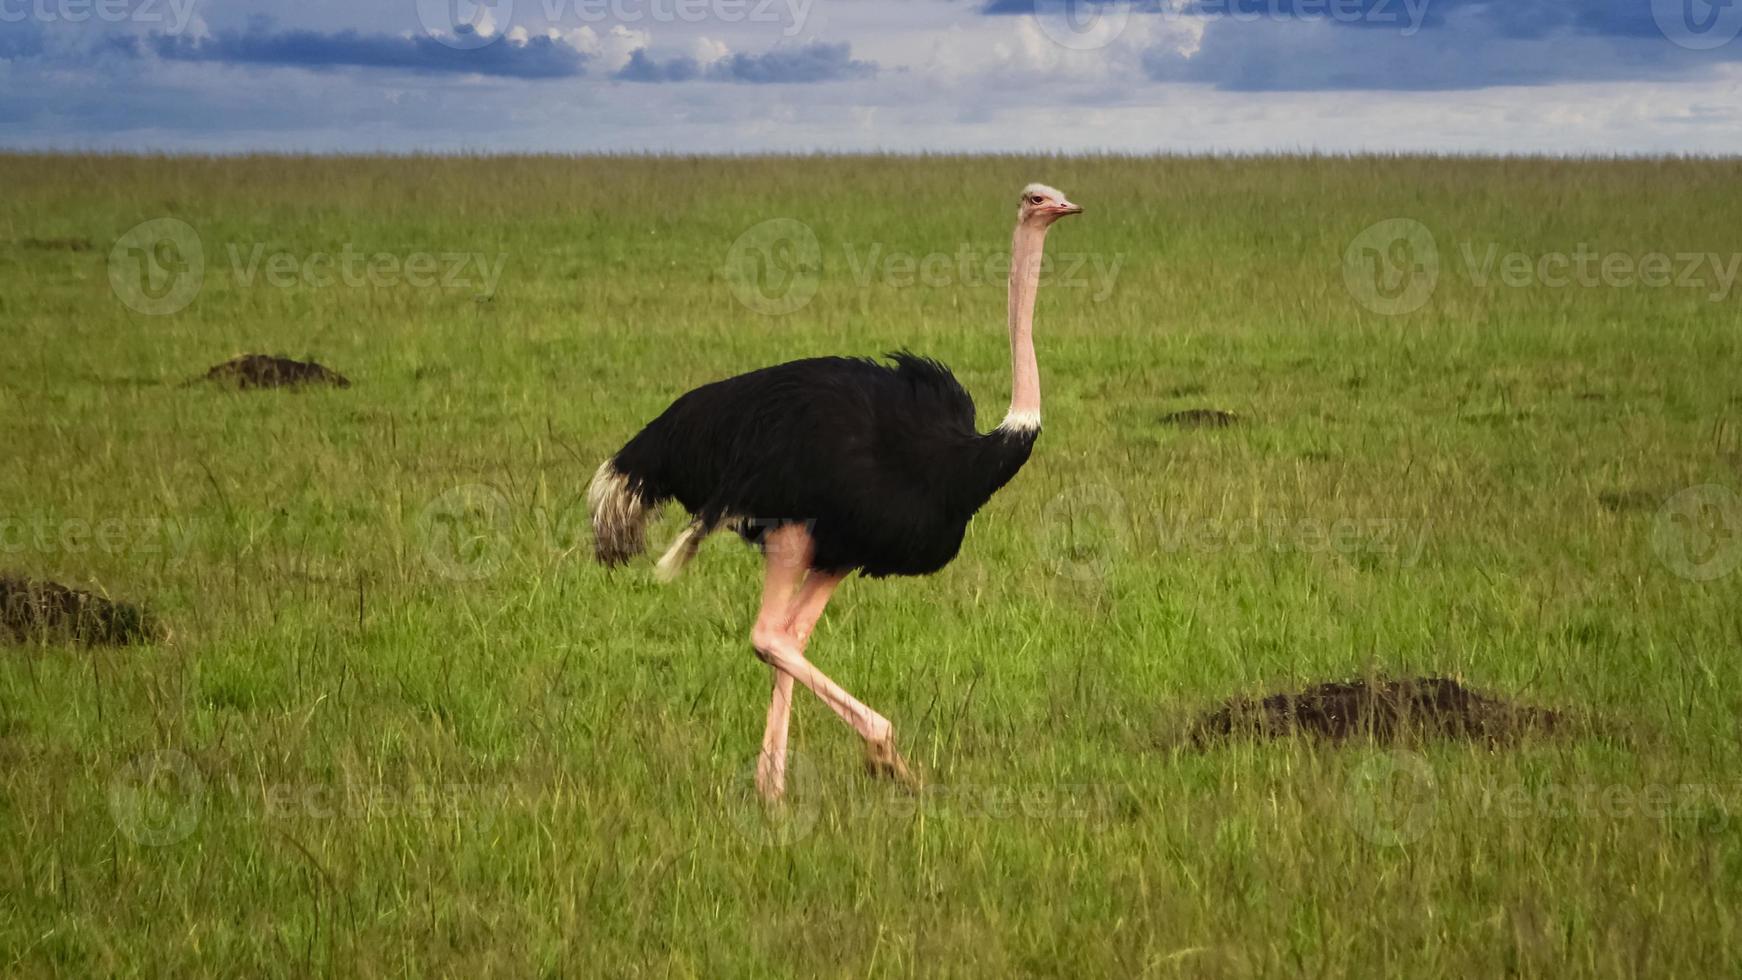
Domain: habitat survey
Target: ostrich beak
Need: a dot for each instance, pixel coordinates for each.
(1069, 208)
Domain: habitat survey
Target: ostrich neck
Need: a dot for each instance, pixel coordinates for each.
(1025, 252)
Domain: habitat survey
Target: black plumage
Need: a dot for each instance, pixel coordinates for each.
(880, 462)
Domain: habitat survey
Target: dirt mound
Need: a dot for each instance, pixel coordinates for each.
(1382, 710)
(1200, 418)
(46, 612)
(263, 371)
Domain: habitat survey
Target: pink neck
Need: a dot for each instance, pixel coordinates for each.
(1025, 252)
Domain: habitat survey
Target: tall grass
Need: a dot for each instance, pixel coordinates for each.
(404, 725)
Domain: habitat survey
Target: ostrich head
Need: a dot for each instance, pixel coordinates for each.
(1042, 205)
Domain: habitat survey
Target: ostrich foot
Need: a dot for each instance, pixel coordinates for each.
(883, 762)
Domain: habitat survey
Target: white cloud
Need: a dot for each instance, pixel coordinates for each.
(706, 51)
(620, 43)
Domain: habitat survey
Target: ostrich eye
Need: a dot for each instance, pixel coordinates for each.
(1036, 199)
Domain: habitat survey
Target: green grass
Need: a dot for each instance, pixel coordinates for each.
(533, 767)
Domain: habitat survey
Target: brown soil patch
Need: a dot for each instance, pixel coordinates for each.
(1382, 710)
(1200, 418)
(32, 612)
(263, 371)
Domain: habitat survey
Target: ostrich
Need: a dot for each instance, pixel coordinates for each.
(832, 465)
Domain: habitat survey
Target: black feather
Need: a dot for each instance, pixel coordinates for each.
(881, 462)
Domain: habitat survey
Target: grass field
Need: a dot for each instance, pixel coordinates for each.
(404, 726)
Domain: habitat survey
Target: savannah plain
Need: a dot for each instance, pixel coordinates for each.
(1489, 426)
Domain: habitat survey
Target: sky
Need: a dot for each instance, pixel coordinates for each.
(740, 76)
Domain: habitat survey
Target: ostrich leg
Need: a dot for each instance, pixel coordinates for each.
(777, 644)
(801, 619)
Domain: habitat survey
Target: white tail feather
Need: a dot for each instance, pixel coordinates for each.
(682, 549)
(619, 516)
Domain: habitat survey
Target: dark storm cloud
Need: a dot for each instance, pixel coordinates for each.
(814, 62)
(534, 58)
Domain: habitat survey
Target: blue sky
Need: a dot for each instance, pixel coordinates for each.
(1554, 76)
